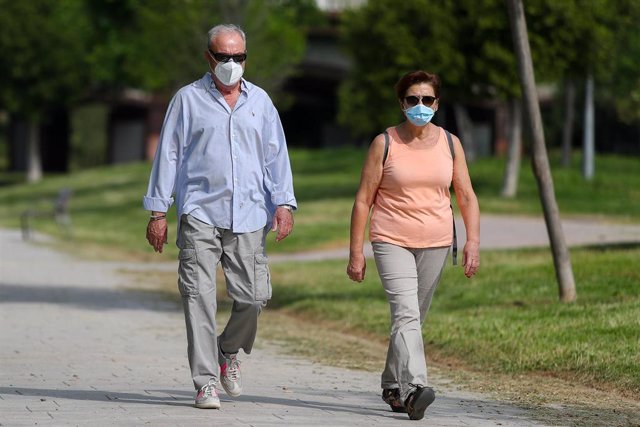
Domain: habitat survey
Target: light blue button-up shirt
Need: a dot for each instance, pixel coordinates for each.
(228, 168)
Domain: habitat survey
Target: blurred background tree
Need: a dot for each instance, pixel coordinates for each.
(101, 52)
(152, 45)
(159, 44)
(386, 39)
(276, 39)
(468, 44)
(43, 65)
(56, 55)
(622, 81)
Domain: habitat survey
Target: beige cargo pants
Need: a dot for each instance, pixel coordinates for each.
(246, 272)
(409, 278)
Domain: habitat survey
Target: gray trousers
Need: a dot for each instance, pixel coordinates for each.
(244, 264)
(409, 278)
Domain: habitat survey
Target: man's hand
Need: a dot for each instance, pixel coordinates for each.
(282, 223)
(471, 258)
(357, 267)
(157, 233)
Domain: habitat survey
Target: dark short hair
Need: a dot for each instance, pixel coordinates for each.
(416, 77)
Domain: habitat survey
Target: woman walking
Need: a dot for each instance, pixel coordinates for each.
(406, 179)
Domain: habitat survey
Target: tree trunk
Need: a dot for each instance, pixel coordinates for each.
(34, 158)
(514, 155)
(542, 172)
(569, 115)
(588, 149)
(465, 130)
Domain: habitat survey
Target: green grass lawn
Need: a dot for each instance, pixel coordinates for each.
(614, 191)
(106, 205)
(507, 319)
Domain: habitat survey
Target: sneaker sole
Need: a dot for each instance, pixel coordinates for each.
(400, 409)
(425, 397)
(231, 392)
(213, 405)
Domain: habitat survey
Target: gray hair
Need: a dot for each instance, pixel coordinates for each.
(224, 28)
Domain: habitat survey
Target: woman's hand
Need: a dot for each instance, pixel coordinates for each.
(356, 268)
(471, 258)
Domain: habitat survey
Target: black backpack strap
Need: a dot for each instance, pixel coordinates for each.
(386, 146)
(450, 141)
(454, 249)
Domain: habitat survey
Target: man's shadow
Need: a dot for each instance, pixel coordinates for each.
(183, 398)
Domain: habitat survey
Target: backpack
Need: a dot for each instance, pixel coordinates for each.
(454, 248)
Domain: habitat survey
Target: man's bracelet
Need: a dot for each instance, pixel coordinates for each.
(157, 217)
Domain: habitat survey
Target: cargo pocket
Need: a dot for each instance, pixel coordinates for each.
(262, 279)
(188, 272)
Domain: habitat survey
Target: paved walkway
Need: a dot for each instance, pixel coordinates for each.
(77, 348)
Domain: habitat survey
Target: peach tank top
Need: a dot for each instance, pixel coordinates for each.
(413, 204)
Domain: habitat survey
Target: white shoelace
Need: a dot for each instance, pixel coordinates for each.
(233, 368)
(207, 390)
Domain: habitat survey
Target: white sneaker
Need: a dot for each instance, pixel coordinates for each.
(207, 397)
(230, 375)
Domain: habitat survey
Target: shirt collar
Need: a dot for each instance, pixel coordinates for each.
(210, 84)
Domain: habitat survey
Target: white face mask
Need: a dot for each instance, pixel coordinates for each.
(229, 73)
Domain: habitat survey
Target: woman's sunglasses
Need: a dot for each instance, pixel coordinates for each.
(413, 100)
(225, 57)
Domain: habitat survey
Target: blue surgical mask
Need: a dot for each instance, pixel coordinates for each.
(419, 115)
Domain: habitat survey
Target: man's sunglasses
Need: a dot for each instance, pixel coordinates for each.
(225, 57)
(413, 100)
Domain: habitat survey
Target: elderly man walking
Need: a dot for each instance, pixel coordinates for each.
(223, 153)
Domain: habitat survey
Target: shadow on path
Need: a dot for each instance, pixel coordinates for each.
(185, 399)
(86, 297)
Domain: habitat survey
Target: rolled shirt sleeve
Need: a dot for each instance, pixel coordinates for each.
(277, 165)
(162, 181)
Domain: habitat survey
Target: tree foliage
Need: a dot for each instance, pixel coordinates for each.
(276, 39)
(159, 44)
(623, 82)
(43, 63)
(152, 45)
(483, 37)
(385, 40)
(55, 52)
(468, 44)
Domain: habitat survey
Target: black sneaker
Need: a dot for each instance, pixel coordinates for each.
(418, 401)
(391, 396)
